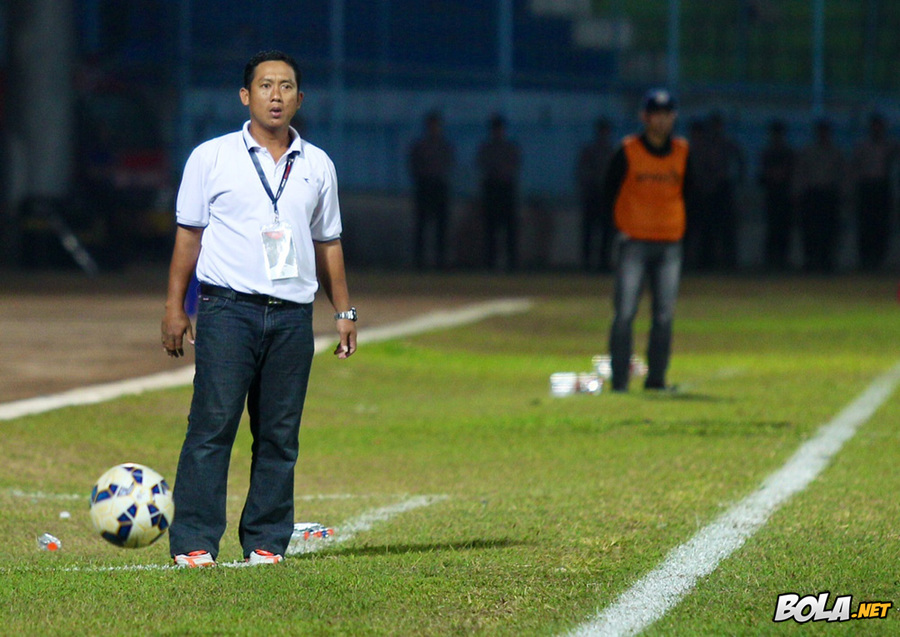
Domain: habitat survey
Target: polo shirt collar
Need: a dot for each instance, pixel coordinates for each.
(296, 142)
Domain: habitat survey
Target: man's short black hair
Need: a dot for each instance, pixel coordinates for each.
(269, 56)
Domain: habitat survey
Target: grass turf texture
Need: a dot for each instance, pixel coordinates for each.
(555, 505)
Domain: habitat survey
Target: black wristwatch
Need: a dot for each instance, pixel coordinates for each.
(350, 315)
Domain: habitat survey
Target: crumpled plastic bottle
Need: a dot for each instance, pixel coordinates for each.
(309, 537)
(47, 542)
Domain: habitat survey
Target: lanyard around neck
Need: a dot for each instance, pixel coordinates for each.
(265, 181)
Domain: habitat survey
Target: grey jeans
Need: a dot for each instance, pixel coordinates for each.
(658, 263)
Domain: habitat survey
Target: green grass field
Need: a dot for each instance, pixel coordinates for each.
(540, 511)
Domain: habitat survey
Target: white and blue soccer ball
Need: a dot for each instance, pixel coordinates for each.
(131, 505)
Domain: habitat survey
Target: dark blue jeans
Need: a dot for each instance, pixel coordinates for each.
(659, 264)
(261, 354)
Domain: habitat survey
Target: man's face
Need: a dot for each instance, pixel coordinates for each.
(273, 96)
(659, 123)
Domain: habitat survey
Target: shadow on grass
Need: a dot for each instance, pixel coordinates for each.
(707, 427)
(402, 549)
(686, 396)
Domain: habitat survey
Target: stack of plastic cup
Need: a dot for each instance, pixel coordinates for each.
(563, 383)
(602, 365)
(638, 367)
(590, 383)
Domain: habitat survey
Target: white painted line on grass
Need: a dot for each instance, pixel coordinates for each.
(364, 522)
(445, 319)
(42, 495)
(185, 375)
(97, 393)
(662, 589)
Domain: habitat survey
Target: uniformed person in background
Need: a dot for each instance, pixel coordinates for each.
(776, 172)
(589, 173)
(499, 161)
(431, 160)
(820, 172)
(873, 161)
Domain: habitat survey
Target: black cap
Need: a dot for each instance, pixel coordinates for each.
(658, 99)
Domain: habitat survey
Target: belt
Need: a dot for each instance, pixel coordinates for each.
(258, 299)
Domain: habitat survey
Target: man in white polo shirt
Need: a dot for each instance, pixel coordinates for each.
(259, 221)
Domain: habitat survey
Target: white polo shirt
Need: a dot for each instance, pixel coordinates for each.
(221, 192)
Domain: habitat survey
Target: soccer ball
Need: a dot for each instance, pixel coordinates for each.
(131, 506)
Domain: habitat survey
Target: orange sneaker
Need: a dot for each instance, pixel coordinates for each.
(259, 556)
(195, 559)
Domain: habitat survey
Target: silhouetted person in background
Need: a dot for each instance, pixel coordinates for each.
(431, 160)
(776, 172)
(97, 168)
(724, 170)
(873, 159)
(589, 173)
(820, 171)
(698, 236)
(499, 160)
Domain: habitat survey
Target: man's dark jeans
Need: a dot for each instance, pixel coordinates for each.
(261, 353)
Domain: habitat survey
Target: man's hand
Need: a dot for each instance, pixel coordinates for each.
(347, 332)
(175, 325)
(332, 278)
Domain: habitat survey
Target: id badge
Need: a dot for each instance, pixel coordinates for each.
(279, 251)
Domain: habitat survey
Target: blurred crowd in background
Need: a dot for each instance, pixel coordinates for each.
(811, 198)
(466, 134)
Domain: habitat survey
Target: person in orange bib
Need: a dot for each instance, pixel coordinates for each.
(644, 191)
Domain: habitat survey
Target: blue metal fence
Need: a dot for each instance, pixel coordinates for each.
(372, 69)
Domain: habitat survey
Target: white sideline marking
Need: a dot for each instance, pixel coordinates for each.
(42, 495)
(361, 523)
(185, 375)
(442, 320)
(366, 521)
(649, 599)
